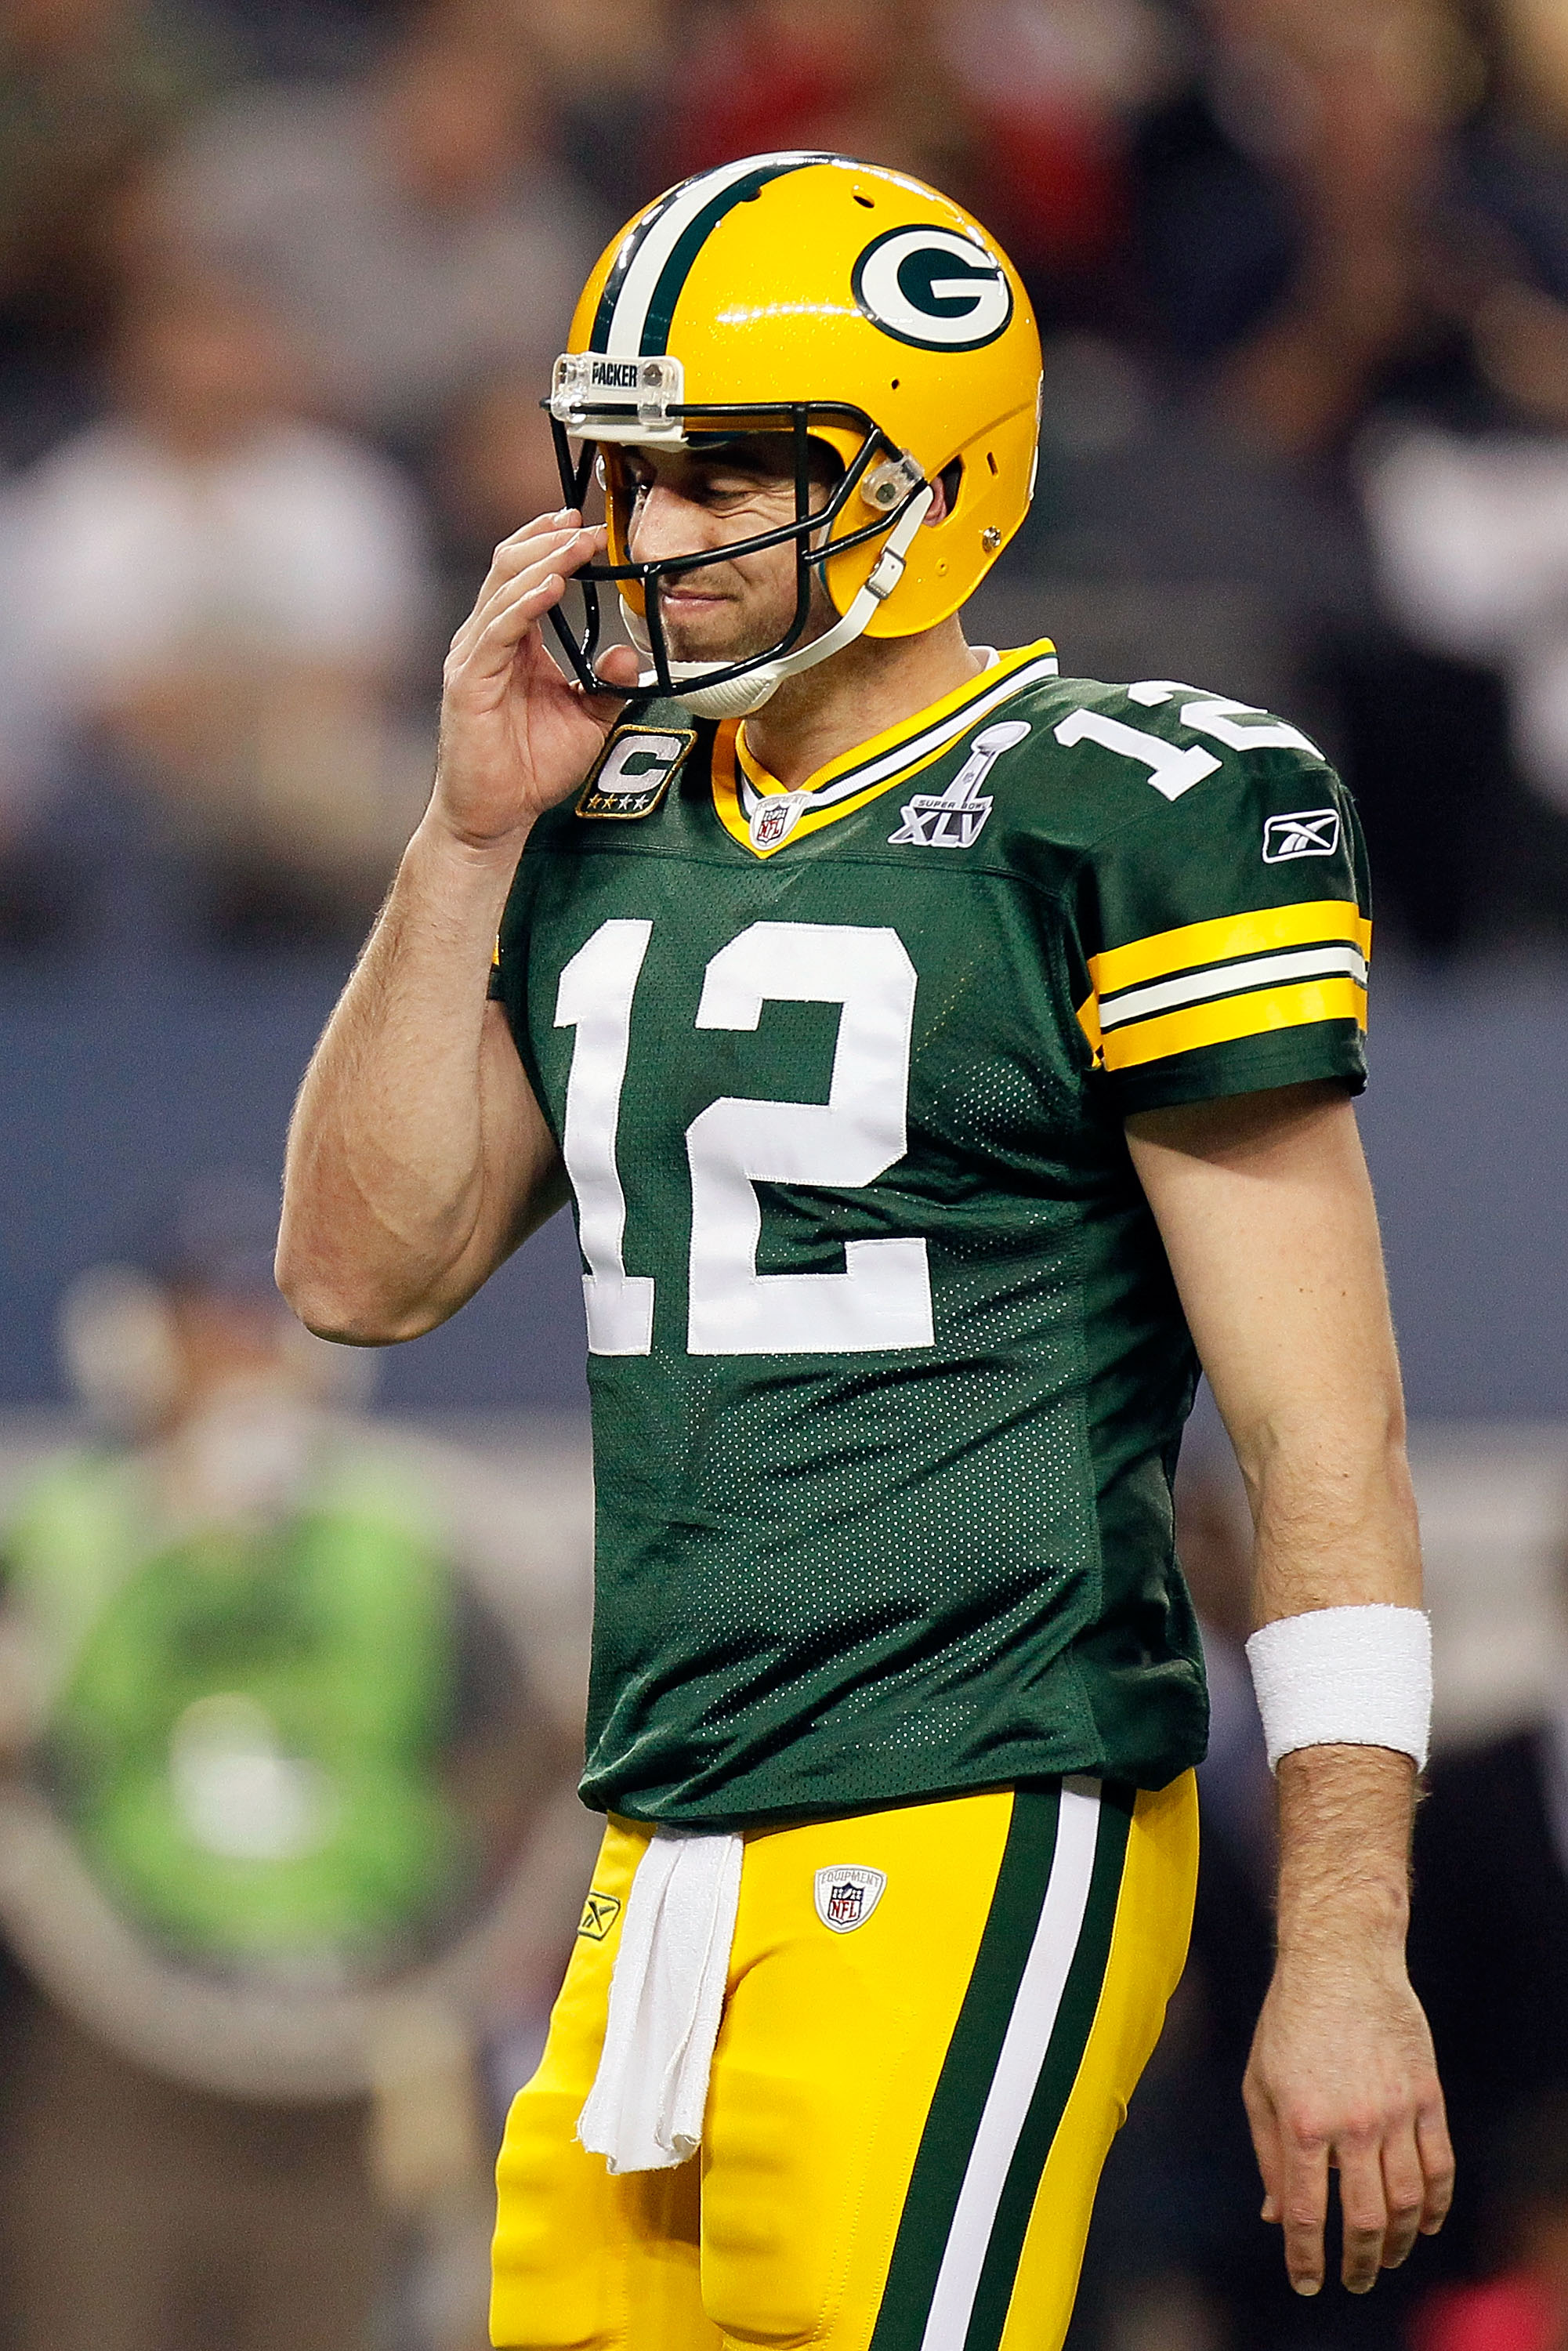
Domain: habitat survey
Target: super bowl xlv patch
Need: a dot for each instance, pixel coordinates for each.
(634, 770)
(847, 1894)
(600, 1912)
(956, 818)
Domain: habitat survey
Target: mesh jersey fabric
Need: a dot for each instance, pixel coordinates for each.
(908, 1531)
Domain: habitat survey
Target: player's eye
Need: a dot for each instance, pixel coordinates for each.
(728, 489)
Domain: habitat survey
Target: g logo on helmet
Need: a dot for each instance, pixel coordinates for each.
(933, 288)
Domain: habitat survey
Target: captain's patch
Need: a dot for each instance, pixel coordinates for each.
(634, 770)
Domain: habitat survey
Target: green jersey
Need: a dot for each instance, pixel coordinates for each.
(888, 1366)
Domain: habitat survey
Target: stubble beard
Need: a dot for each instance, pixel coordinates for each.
(738, 627)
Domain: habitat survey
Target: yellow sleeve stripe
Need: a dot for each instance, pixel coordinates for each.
(1336, 960)
(1316, 921)
(1254, 1015)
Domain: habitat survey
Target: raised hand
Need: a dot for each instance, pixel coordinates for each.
(517, 735)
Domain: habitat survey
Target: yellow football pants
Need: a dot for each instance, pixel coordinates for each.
(913, 2093)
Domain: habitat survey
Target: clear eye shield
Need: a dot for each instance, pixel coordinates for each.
(639, 402)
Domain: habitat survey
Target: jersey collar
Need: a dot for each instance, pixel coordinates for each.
(741, 785)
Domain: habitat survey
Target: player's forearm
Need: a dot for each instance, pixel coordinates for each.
(1335, 1527)
(1335, 1522)
(1344, 1816)
(391, 1215)
(1333, 1506)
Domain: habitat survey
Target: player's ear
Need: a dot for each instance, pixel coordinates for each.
(944, 491)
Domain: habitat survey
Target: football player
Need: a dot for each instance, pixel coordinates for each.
(944, 1058)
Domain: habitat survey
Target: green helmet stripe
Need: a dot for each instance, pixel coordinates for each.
(656, 256)
(656, 338)
(631, 245)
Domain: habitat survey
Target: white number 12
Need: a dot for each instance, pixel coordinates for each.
(882, 1298)
(595, 999)
(1173, 770)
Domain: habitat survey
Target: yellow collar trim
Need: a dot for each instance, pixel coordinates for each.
(740, 781)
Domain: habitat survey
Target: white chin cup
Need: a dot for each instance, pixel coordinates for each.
(738, 697)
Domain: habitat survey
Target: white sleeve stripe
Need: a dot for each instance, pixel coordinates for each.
(1232, 979)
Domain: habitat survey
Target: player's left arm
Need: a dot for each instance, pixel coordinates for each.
(1266, 1214)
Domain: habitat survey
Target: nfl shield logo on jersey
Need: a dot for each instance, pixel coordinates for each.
(773, 818)
(847, 1896)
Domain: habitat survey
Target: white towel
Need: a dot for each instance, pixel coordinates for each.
(644, 2112)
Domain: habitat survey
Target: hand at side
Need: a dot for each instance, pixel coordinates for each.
(1342, 2076)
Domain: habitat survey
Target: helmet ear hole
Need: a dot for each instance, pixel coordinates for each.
(951, 478)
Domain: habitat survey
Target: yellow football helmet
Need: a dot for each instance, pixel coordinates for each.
(837, 302)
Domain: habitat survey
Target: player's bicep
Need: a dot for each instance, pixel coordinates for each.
(524, 1176)
(1265, 1207)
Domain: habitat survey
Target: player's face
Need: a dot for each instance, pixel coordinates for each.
(687, 504)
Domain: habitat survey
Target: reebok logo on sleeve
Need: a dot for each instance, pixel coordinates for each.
(1309, 832)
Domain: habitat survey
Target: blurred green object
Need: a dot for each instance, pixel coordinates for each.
(247, 1725)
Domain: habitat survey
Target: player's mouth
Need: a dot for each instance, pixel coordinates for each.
(689, 602)
(698, 621)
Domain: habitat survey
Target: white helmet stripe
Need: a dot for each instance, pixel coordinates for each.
(625, 338)
(630, 318)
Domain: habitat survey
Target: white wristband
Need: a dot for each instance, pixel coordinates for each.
(1346, 1677)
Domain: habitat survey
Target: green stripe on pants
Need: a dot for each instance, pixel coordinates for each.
(965, 2082)
(1069, 2038)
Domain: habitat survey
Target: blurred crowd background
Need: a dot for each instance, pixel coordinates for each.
(288, 1683)
(280, 286)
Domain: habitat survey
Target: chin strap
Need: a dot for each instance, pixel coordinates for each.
(738, 697)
